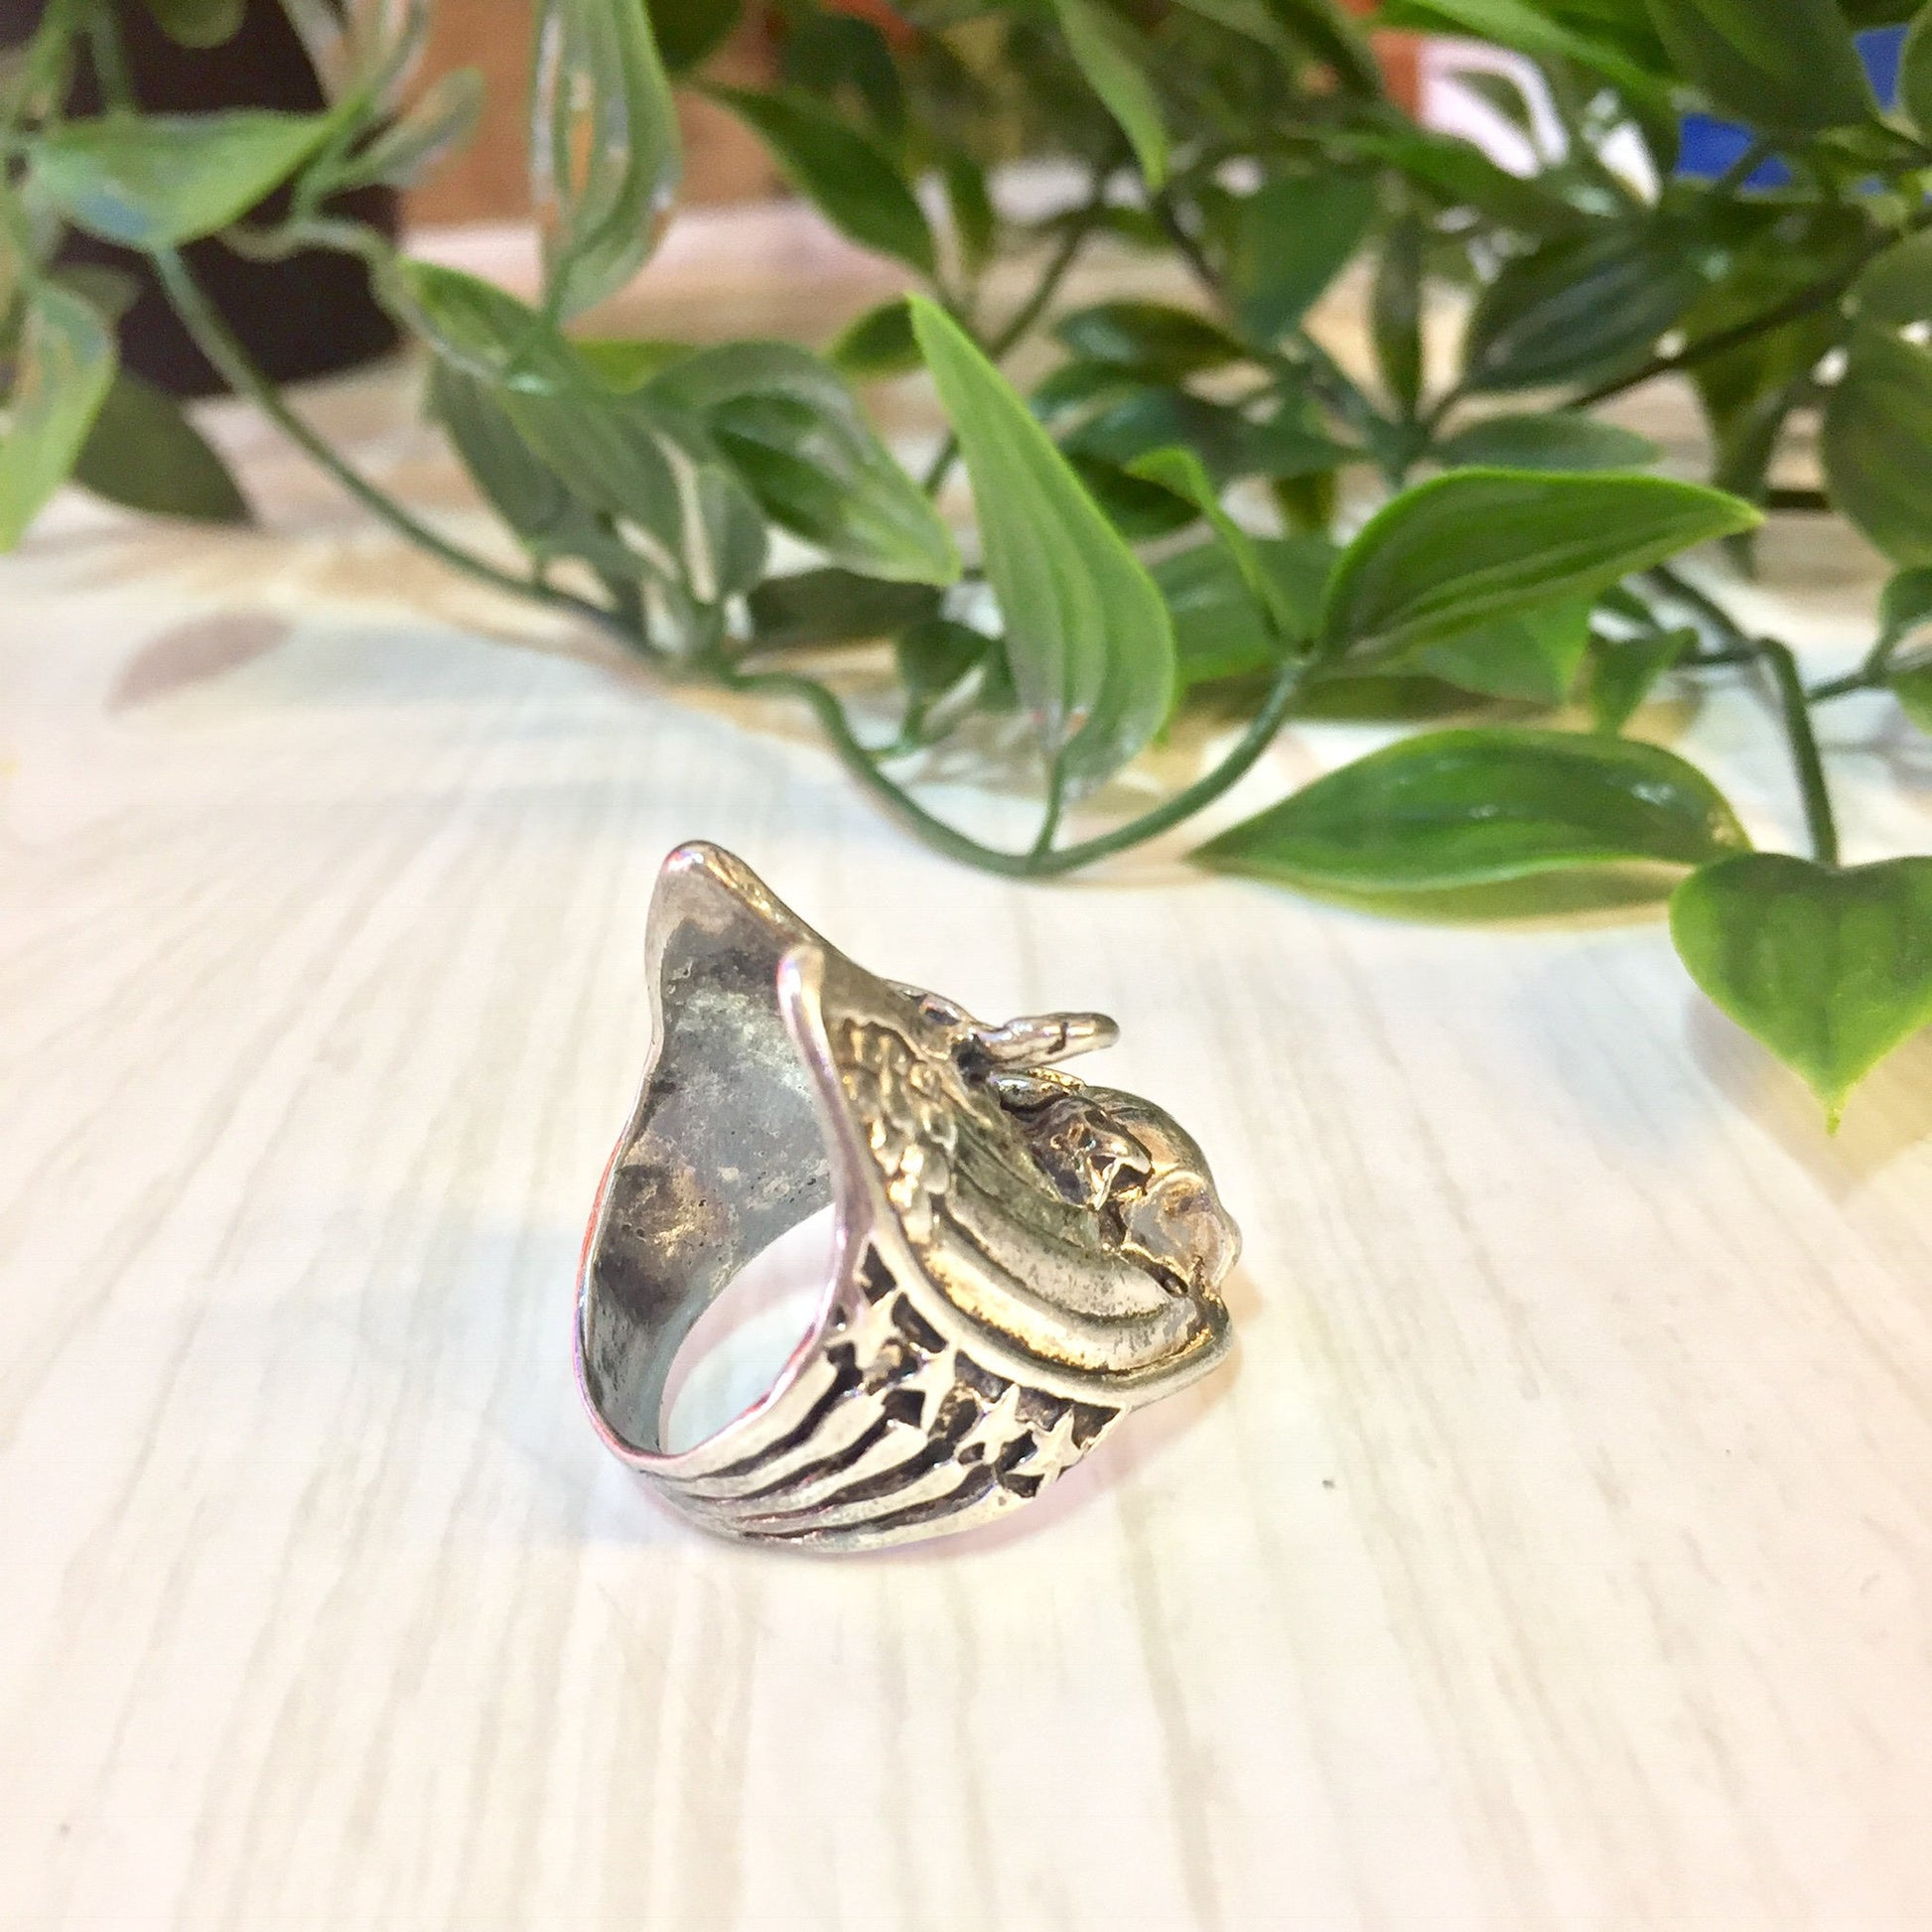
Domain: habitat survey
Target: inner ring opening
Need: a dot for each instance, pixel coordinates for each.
(724, 1156)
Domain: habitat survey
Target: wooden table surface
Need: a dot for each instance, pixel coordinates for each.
(1556, 1551)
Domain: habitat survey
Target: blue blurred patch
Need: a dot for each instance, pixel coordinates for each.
(1710, 145)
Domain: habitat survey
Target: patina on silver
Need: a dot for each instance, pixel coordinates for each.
(1020, 1257)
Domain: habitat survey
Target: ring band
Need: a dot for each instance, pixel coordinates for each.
(1018, 1256)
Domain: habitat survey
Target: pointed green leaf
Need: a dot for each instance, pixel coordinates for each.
(835, 607)
(1158, 341)
(1478, 806)
(1220, 630)
(409, 150)
(145, 454)
(1911, 684)
(1623, 673)
(1876, 432)
(1915, 71)
(1293, 236)
(63, 366)
(151, 181)
(1788, 65)
(605, 155)
(1829, 966)
(878, 343)
(1579, 308)
(689, 32)
(1088, 635)
(198, 23)
(796, 436)
(1896, 287)
(1535, 31)
(851, 178)
(1479, 545)
(1107, 52)
(1561, 439)
(1529, 660)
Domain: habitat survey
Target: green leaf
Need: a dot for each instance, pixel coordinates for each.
(1579, 308)
(1911, 684)
(1293, 236)
(1482, 805)
(604, 156)
(145, 454)
(1896, 287)
(409, 150)
(1876, 433)
(1623, 672)
(934, 658)
(151, 181)
(1529, 660)
(975, 220)
(1107, 52)
(1396, 312)
(689, 32)
(1220, 630)
(1327, 31)
(522, 489)
(1830, 967)
(63, 364)
(1229, 443)
(1459, 174)
(1088, 636)
(479, 328)
(1479, 545)
(835, 607)
(1149, 337)
(1534, 31)
(198, 23)
(1788, 65)
(795, 434)
(1562, 439)
(852, 179)
(1905, 604)
(1915, 71)
(622, 363)
(1141, 509)
(878, 343)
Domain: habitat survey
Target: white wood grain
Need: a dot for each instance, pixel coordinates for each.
(1557, 1554)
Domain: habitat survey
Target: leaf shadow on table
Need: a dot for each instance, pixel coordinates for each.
(1888, 1115)
(195, 651)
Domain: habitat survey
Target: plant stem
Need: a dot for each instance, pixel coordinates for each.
(1038, 863)
(1805, 758)
(231, 361)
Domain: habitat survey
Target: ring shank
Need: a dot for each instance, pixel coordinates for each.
(722, 1156)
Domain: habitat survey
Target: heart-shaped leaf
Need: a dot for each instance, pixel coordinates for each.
(1088, 636)
(1479, 545)
(1829, 966)
(1479, 806)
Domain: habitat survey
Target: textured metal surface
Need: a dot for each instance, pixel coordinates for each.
(1020, 1257)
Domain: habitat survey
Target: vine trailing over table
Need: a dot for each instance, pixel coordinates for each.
(1157, 518)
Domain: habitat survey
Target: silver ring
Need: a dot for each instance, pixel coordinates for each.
(1019, 1257)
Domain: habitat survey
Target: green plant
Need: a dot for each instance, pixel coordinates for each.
(1524, 558)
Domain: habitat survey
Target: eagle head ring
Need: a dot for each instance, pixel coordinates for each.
(1019, 1257)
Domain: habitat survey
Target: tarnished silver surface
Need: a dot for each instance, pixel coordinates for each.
(1020, 1256)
